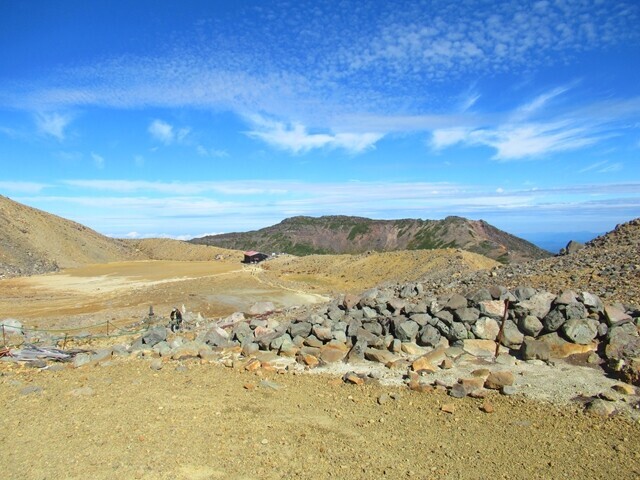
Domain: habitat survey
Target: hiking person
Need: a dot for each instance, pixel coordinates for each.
(176, 320)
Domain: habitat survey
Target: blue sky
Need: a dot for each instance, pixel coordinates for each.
(157, 118)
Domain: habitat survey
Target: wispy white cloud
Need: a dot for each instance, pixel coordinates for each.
(165, 132)
(296, 139)
(53, 124)
(98, 160)
(211, 152)
(604, 166)
(515, 136)
(23, 187)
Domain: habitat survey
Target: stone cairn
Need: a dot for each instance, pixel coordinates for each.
(387, 325)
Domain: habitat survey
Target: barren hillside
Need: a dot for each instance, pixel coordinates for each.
(341, 234)
(355, 273)
(33, 241)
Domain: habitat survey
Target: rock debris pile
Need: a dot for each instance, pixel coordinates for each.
(608, 266)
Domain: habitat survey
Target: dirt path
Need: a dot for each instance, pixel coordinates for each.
(122, 292)
(204, 421)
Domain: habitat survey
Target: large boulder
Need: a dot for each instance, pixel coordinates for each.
(406, 331)
(429, 336)
(486, 328)
(582, 330)
(154, 335)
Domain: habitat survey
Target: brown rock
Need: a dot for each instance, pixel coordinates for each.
(487, 407)
(353, 378)
(471, 384)
(252, 365)
(446, 364)
(560, 348)
(380, 356)
(448, 408)
(310, 360)
(436, 356)
(482, 348)
(423, 365)
(624, 388)
(497, 380)
(350, 301)
(420, 387)
(330, 354)
(481, 372)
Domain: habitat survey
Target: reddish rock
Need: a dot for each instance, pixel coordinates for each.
(421, 364)
(330, 354)
(497, 380)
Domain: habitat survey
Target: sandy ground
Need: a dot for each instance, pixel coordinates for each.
(205, 421)
(122, 292)
(195, 420)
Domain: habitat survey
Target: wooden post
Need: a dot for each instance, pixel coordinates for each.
(64, 343)
(107, 328)
(501, 331)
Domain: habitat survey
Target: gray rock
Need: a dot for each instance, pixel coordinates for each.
(356, 354)
(533, 349)
(592, 302)
(408, 291)
(512, 337)
(216, 337)
(322, 333)
(429, 336)
(445, 316)
(553, 321)
(81, 359)
(467, 315)
(582, 331)
(481, 295)
(31, 389)
(241, 331)
(508, 390)
(406, 331)
(353, 325)
(156, 364)
(249, 348)
(421, 319)
(335, 314)
(458, 332)
(154, 335)
(530, 325)
(455, 302)
(277, 343)
(373, 327)
(458, 390)
(369, 313)
(396, 305)
(538, 305)
(315, 319)
(524, 293)
(260, 308)
(575, 311)
(313, 341)
(368, 338)
(603, 330)
(498, 292)
(339, 326)
(339, 336)
(486, 328)
(566, 297)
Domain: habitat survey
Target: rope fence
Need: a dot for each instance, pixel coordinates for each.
(112, 331)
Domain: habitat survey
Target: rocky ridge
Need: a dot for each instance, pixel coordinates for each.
(353, 235)
(608, 266)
